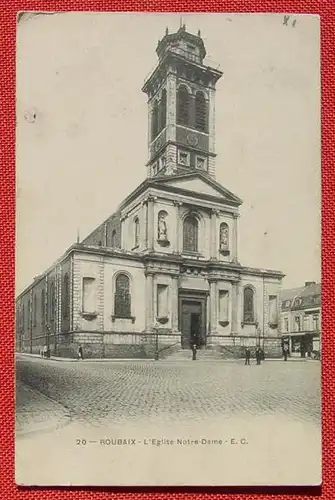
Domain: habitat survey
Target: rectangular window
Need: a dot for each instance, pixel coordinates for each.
(273, 316)
(162, 301)
(316, 320)
(297, 324)
(224, 305)
(286, 324)
(88, 295)
(306, 324)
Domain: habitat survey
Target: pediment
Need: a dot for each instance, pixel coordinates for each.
(199, 184)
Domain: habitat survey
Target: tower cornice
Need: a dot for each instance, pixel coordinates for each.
(213, 74)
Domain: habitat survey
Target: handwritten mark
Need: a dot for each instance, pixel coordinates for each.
(286, 20)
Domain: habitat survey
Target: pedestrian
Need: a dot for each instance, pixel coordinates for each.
(285, 353)
(194, 352)
(247, 356)
(258, 356)
(80, 353)
(45, 351)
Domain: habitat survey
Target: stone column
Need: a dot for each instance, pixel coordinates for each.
(213, 232)
(174, 303)
(213, 287)
(149, 295)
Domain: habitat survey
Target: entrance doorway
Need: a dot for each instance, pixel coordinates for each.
(192, 319)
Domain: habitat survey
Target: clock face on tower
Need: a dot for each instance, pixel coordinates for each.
(192, 140)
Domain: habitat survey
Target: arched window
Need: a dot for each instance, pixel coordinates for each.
(190, 234)
(249, 305)
(224, 236)
(183, 106)
(113, 238)
(136, 232)
(154, 122)
(66, 304)
(200, 111)
(122, 298)
(162, 108)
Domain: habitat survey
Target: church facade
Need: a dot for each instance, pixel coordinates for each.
(163, 271)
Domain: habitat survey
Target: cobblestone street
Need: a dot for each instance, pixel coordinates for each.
(100, 392)
(265, 417)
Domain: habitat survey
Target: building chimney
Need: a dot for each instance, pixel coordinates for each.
(309, 283)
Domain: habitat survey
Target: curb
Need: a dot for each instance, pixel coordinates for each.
(87, 360)
(52, 424)
(150, 360)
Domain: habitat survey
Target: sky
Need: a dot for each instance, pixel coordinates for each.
(82, 140)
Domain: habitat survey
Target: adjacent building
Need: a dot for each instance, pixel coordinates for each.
(166, 262)
(301, 319)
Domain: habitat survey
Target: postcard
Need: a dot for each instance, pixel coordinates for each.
(168, 282)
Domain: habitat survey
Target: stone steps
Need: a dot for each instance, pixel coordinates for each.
(185, 354)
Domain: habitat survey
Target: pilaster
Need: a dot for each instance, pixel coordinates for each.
(213, 294)
(235, 238)
(101, 294)
(236, 308)
(211, 120)
(30, 320)
(171, 93)
(213, 234)
(178, 205)
(174, 302)
(76, 294)
(149, 293)
(151, 222)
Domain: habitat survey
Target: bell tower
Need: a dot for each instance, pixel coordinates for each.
(181, 107)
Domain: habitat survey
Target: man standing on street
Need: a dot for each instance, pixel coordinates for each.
(258, 356)
(80, 353)
(247, 356)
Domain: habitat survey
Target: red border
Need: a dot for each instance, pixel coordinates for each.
(8, 10)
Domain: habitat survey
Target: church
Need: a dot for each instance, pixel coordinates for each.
(162, 273)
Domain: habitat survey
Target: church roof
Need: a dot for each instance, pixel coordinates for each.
(169, 183)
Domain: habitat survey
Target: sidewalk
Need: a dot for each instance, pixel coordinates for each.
(104, 360)
(85, 360)
(35, 412)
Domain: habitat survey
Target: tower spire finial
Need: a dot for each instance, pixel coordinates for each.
(181, 22)
(78, 235)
